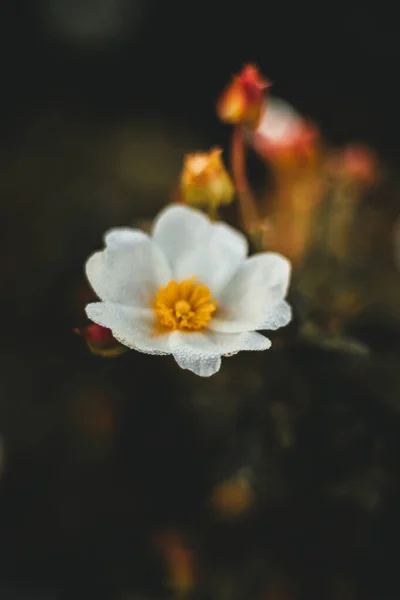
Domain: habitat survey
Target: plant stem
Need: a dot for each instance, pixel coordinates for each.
(248, 208)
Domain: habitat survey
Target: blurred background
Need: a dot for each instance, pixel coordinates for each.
(127, 479)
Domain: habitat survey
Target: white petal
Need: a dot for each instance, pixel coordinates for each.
(257, 287)
(201, 352)
(232, 239)
(195, 352)
(120, 237)
(278, 316)
(215, 259)
(178, 229)
(133, 327)
(197, 247)
(129, 274)
(232, 343)
(279, 120)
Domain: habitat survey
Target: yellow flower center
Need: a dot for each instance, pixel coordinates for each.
(186, 306)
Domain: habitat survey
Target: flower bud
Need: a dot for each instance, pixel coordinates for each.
(100, 340)
(355, 164)
(242, 99)
(233, 497)
(283, 136)
(205, 181)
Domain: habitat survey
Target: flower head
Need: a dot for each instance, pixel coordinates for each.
(282, 134)
(188, 289)
(204, 179)
(242, 99)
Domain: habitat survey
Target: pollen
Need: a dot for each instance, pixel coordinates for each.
(187, 306)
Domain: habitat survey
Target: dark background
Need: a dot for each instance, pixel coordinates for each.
(337, 62)
(80, 501)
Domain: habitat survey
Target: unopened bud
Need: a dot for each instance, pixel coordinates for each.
(355, 164)
(242, 100)
(233, 497)
(205, 181)
(100, 341)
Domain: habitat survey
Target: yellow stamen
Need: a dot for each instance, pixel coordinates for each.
(186, 306)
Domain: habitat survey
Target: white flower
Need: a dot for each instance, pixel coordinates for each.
(187, 290)
(282, 130)
(280, 121)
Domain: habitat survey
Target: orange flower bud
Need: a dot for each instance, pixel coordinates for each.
(233, 497)
(205, 181)
(242, 100)
(100, 340)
